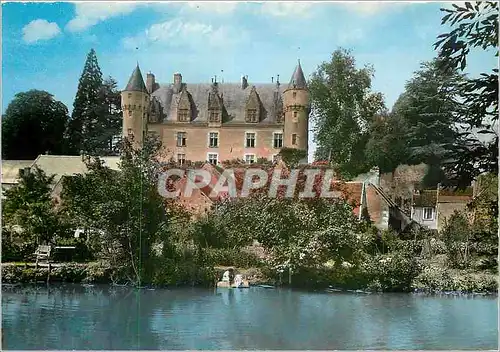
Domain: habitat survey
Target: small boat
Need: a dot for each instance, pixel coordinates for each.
(266, 286)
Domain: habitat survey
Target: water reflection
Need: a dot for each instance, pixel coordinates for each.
(111, 318)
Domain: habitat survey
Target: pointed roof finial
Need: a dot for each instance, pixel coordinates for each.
(136, 82)
(298, 80)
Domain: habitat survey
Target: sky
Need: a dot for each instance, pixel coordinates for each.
(44, 45)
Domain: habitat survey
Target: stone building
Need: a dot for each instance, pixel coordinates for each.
(432, 208)
(218, 121)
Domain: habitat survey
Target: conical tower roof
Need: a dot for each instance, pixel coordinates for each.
(136, 82)
(298, 80)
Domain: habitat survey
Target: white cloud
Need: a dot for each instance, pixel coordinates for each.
(40, 30)
(286, 9)
(179, 32)
(90, 13)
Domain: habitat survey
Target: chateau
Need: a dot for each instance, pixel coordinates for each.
(218, 121)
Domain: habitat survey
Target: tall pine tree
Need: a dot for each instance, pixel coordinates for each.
(88, 129)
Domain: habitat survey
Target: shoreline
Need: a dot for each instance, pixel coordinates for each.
(85, 275)
(436, 293)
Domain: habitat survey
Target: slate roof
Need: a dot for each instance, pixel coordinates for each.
(136, 82)
(234, 99)
(298, 80)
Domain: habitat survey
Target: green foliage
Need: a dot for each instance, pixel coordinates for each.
(387, 146)
(473, 26)
(343, 108)
(96, 116)
(428, 108)
(28, 206)
(233, 257)
(124, 207)
(33, 124)
(456, 236)
(292, 157)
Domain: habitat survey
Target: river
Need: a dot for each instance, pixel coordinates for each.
(111, 318)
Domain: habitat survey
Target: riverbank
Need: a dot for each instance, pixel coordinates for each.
(431, 280)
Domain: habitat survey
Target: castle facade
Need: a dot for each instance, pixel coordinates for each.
(216, 121)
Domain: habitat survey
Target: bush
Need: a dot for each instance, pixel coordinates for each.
(436, 279)
(231, 257)
(16, 252)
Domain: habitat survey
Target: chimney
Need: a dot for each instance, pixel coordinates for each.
(150, 82)
(244, 82)
(177, 82)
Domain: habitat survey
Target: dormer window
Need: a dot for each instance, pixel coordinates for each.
(183, 115)
(214, 116)
(252, 115)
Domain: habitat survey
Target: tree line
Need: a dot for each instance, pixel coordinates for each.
(443, 118)
(36, 123)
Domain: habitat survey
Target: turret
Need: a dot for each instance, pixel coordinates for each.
(297, 108)
(135, 103)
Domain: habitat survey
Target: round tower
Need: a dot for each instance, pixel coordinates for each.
(297, 108)
(135, 103)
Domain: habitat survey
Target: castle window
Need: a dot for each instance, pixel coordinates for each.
(129, 131)
(183, 115)
(213, 158)
(181, 159)
(213, 139)
(294, 94)
(250, 140)
(295, 114)
(181, 139)
(278, 140)
(294, 139)
(252, 115)
(129, 95)
(249, 158)
(213, 116)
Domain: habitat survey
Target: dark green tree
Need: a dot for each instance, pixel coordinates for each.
(96, 110)
(28, 206)
(124, 209)
(473, 27)
(429, 108)
(387, 146)
(343, 108)
(33, 124)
